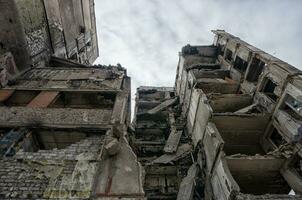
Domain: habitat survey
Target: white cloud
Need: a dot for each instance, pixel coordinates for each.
(146, 35)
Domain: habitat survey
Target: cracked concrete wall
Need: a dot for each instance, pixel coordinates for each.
(32, 37)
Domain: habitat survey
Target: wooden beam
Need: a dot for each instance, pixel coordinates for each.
(43, 99)
(5, 94)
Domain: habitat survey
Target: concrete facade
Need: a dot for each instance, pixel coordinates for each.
(243, 116)
(33, 31)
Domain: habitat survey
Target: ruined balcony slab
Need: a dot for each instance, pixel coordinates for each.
(187, 186)
(53, 117)
(181, 152)
(85, 79)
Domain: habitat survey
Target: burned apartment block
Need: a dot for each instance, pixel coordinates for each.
(229, 129)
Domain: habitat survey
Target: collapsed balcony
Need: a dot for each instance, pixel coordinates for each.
(33, 140)
(246, 167)
(258, 174)
(223, 103)
(242, 133)
(215, 81)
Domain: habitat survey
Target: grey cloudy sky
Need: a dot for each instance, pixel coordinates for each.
(145, 36)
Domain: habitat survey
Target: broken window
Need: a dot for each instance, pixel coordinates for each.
(228, 55)
(240, 64)
(276, 138)
(220, 49)
(292, 106)
(269, 88)
(255, 70)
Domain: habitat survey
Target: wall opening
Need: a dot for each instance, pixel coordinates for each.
(240, 64)
(255, 70)
(241, 134)
(47, 139)
(258, 175)
(220, 49)
(229, 55)
(269, 88)
(85, 100)
(276, 137)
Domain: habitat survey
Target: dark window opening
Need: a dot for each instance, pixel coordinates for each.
(255, 70)
(228, 55)
(297, 164)
(269, 88)
(220, 49)
(74, 57)
(89, 44)
(240, 64)
(276, 138)
(172, 94)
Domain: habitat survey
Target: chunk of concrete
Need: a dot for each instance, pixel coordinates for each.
(187, 185)
(112, 147)
(182, 151)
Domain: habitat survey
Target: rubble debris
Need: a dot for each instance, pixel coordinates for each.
(174, 137)
(187, 185)
(172, 142)
(182, 151)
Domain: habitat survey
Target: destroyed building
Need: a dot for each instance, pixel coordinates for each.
(229, 129)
